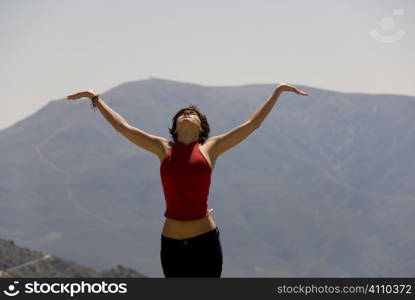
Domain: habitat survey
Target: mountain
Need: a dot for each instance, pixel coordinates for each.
(324, 187)
(18, 262)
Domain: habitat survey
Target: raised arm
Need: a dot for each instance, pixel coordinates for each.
(226, 141)
(139, 137)
(259, 115)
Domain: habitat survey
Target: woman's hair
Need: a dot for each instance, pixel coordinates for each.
(204, 134)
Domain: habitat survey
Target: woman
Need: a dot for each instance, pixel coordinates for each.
(190, 242)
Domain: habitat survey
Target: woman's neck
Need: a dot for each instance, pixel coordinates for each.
(187, 138)
(187, 142)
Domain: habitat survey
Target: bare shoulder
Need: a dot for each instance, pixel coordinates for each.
(208, 149)
(209, 145)
(166, 145)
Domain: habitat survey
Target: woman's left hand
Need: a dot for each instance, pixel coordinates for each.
(284, 87)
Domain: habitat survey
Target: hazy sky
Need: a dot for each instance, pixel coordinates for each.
(50, 49)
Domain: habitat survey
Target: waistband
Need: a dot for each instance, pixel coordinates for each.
(200, 237)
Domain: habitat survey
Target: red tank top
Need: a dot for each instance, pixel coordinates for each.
(185, 176)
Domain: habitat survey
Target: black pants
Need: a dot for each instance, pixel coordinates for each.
(199, 256)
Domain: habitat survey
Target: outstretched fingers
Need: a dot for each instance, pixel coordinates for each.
(77, 95)
(297, 91)
(302, 93)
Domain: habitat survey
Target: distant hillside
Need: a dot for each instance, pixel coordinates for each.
(324, 187)
(21, 262)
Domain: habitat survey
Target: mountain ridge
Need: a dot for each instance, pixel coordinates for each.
(18, 262)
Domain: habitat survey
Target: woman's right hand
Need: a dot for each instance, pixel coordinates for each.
(88, 94)
(284, 87)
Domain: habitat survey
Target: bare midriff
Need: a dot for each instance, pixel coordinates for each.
(176, 229)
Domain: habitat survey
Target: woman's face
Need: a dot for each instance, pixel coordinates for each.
(188, 117)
